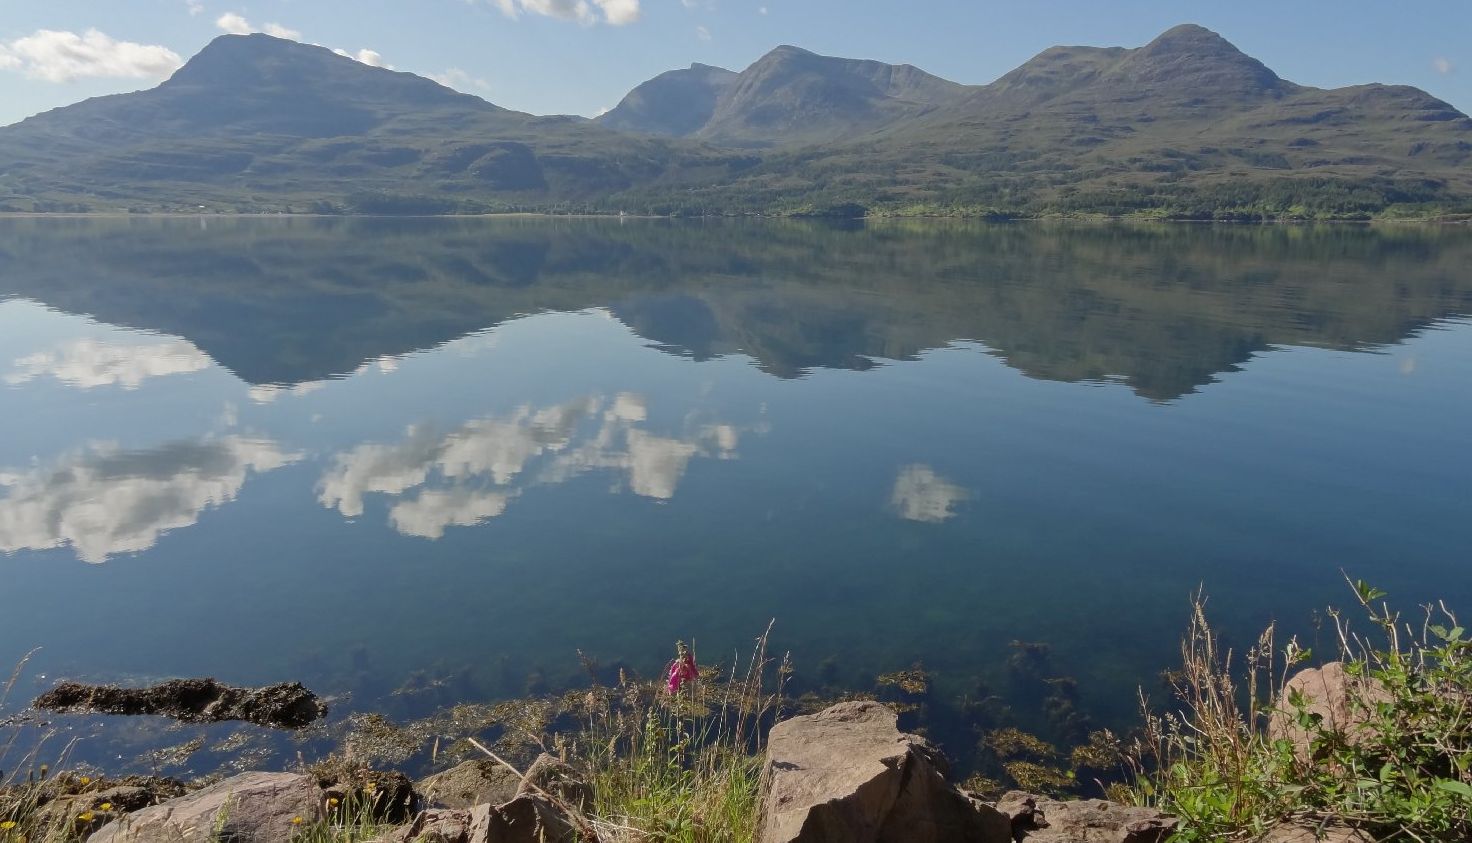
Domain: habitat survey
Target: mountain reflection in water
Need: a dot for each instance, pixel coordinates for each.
(1164, 309)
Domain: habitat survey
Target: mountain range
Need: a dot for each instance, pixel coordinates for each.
(1185, 126)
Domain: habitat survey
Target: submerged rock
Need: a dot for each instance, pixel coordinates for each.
(848, 774)
(285, 706)
(250, 808)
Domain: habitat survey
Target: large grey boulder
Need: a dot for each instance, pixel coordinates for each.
(469, 784)
(1035, 819)
(250, 808)
(847, 774)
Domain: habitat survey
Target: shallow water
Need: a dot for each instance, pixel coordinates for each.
(361, 453)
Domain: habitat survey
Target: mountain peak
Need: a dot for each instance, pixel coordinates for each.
(224, 57)
(788, 50)
(260, 63)
(1191, 39)
(1185, 32)
(1194, 60)
(675, 103)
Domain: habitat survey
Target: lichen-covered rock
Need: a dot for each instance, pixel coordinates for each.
(250, 808)
(471, 783)
(848, 774)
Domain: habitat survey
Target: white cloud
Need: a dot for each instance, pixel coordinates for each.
(619, 12)
(372, 58)
(702, 33)
(59, 56)
(279, 31)
(761, 10)
(587, 12)
(1443, 65)
(103, 501)
(460, 80)
(89, 363)
(196, 7)
(922, 495)
(233, 24)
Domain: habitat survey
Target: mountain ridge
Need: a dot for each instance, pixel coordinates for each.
(1185, 126)
(789, 95)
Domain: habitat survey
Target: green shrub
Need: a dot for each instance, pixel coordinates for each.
(1221, 759)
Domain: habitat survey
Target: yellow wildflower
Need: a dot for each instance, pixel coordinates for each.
(7, 825)
(86, 780)
(296, 820)
(106, 806)
(332, 801)
(86, 816)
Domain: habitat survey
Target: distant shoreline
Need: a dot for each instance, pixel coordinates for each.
(1454, 219)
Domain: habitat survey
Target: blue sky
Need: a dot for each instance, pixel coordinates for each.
(581, 56)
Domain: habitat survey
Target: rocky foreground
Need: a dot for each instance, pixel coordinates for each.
(844, 774)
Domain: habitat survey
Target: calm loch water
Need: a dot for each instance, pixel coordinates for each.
(371, 454)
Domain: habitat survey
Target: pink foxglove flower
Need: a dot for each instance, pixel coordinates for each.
(681, 670)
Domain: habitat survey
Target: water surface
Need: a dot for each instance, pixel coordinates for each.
(364, 453)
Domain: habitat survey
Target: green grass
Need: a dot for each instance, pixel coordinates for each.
(1223, 759)
(682, 767)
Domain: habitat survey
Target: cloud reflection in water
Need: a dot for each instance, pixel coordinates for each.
(89, 363)
(922, 495)
(103, 501)
(475, 472)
